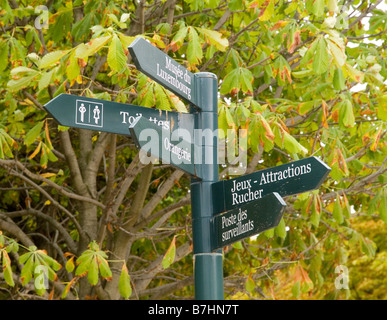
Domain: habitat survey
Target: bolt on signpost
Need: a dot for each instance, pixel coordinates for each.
(223, 212)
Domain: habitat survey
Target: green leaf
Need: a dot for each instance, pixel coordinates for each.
(382, 107)
(84, 262)
(266, 10)
(169, 256)
(338, 211)
(27, 270)
(292, 145)
(18, 71)
(178, 39)
(104, 268)
(346, 116)
(73, 69)
(282, 71)
(7, 269)
(91, 262)
(237, 245)
(70, 265)
(383, 205)
(337, 49)
(321, 57)
(4, 50)
(332, 6)
(6, 142)
(316, 7)
(296, 289)
(45, 79)
(339, 80)
(124, 286)
(215, 38)
(315, 211)
(301, 74)
(116, 57)
(269, 233)
(250, 284)
(33, 134)
(52, 58)
(162, 100)
(355, 74)
(194, 48)
(67, 288)
(92, 274)
(280, 230)
(235, 5)
(368, 246)
(85, 50)
(17, 85)
(239, 79)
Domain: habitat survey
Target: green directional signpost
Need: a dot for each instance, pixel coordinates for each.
(200, 90)
(247, 220)
(171, 146)
(101, 115)
(287, 179)
(164, 70)
(223, 212)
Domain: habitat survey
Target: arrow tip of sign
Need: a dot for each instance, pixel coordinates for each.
(280, 199)
(322, 163)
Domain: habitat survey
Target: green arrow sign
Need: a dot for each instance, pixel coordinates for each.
(247, 220)
(287, 179)
(173, 145)
(163, 69)
(101, 115)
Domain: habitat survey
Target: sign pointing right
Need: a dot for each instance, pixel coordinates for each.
(287, 179)
(247, 220)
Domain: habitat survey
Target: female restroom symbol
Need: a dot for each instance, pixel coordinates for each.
(96, 114)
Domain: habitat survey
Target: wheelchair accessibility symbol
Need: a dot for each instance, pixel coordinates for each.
(89, 114)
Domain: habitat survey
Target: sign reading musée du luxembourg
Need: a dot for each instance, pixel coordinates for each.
(287, 179)
(163, 69)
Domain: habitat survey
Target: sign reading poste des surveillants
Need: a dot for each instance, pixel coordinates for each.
(247, 220)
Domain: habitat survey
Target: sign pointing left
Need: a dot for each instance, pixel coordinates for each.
(164, 70)
(102, 115)
(173, 145)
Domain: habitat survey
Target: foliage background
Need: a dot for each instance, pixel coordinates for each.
(305, 78)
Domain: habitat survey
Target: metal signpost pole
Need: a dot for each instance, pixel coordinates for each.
(208, 265)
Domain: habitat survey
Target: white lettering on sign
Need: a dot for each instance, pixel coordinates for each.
(126, 118)
(181, 153)
(241, 190)
(290, 172)
(247, 196)
(177, 79)
(239, 223)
